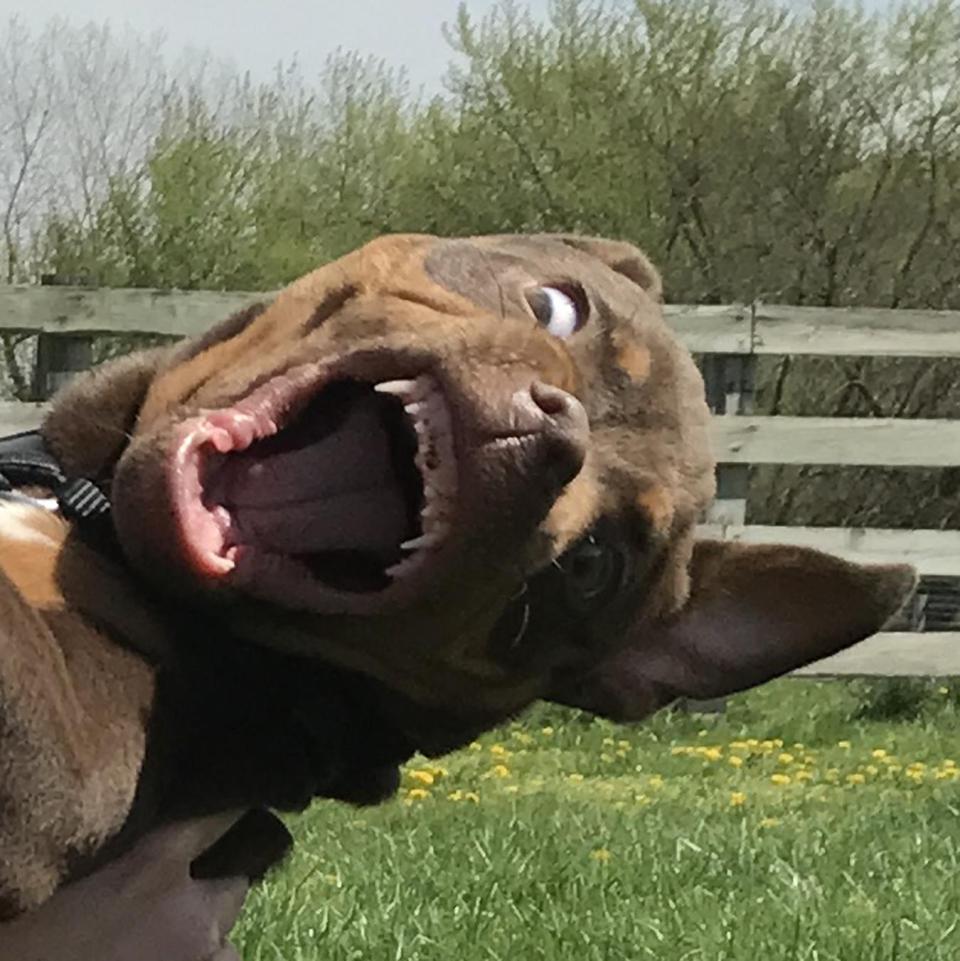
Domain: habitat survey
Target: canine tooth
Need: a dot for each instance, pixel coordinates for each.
(414, 409)
(399, 388)
(222, 440)
(405, 567)
(423, 541)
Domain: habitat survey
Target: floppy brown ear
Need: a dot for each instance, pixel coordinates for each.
(620, 256)
(91, 419)
(755, 612)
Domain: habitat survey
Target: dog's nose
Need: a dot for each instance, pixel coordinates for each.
(560, 423)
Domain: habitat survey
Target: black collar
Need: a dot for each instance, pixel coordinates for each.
(25, 461)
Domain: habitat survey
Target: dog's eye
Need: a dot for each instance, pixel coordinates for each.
(592, 571)
(561, 311)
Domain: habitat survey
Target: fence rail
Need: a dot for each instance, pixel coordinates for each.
(724, 329)
(730, 337)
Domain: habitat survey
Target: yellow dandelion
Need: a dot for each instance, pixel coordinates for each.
(547, 731)
(421, 777)
(624, 745)
(949, 762)
(832, 773)
(712, 753)
(608, 742)
(475, 746)
(781, 780)
(943, 690)
(602, 855)
(576, 778)
(417, 794)
(844, 745)
(785, 758)
(871, 770)
(471, 796)
(738, 799)
(622, 753)
(856, 779)
(739, 746)
(803, 776)
(498, 750)
(656, 781)
(680, 751)
(798, 746)
(500, 770)
(606, 759)
(752, 742)
(769, 822)
(455, 796)
(735, 761)
(879, 753)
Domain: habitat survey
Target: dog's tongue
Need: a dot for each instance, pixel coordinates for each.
(327, 484)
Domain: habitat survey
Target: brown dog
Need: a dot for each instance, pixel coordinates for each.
(430, 483)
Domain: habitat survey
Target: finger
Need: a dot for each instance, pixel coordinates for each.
(224, 899)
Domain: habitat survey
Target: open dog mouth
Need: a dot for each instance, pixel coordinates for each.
(319, 483)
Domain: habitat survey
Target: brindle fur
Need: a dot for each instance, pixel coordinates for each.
(129, 696)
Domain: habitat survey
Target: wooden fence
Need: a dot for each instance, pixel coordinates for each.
(730, 338)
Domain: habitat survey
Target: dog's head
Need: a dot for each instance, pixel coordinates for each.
(468, 468)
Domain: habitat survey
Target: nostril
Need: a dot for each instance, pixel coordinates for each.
(563, 410)
(553, 401)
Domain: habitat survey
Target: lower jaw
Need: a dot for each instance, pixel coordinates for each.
(284, 582)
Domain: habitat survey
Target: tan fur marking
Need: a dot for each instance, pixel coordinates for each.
(634, 361)
(657, 503)
(574, 510)
(30, 539)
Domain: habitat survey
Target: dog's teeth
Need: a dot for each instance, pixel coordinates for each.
(405, 567)
(222, 440)
(399, 388)
(423, 541)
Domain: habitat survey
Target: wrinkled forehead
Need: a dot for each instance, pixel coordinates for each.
(478, 268)
(491, 270)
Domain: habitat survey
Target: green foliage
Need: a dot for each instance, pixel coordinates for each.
(895, 698)
(754, 148)
(560, 838)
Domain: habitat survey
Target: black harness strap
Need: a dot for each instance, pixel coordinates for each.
(26, 462)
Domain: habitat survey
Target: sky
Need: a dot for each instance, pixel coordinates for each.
(257, 35)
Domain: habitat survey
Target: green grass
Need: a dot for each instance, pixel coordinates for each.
(566, 837)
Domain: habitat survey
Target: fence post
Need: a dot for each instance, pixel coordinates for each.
(59, 356)
(729, 380)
